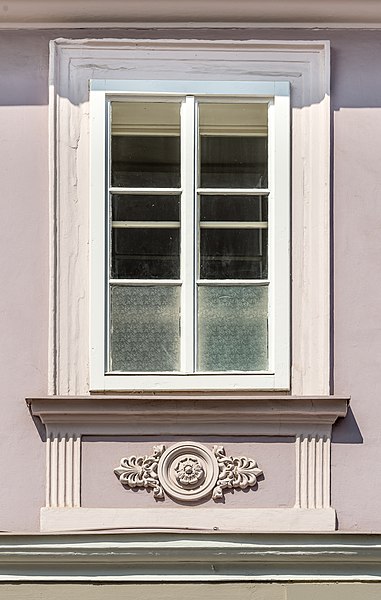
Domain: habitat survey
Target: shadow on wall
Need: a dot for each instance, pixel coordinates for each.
(346, 431)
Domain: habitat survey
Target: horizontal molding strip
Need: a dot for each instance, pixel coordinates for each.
(245, 520)
(179, 413)
(200, 556)
(191, 25)
(152, 12)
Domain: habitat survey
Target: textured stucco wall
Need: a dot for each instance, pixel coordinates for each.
(356, 265)
(223, 591)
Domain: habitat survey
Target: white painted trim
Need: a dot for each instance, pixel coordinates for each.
(313, 486)
(187, 243)
(164, 556)
(63, 470)
(306, 66)
(225, 520)
(277, 94)
(189, 413)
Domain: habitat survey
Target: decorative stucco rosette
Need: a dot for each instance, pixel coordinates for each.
(188, 471)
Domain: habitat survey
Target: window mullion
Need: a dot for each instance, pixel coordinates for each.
(187, 234)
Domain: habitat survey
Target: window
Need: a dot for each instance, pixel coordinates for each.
(190, 234)
(77, 281)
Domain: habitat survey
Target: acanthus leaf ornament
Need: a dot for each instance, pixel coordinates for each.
(188, 471)
(234, 472)
(141, 471)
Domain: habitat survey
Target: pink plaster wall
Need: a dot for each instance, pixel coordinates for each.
(356, 266)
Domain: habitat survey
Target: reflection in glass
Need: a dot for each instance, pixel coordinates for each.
(233, 208)
(232, 328)
(233, 145)
(145, 144)
(233, 254)
(126, 207)
(145, 253)
(144, 333)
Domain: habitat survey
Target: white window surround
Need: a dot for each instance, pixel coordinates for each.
(277, 95)
(73, 64)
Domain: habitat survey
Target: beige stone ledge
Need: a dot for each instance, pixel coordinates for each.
(179, 413)
(151, 12)
(245, 520)
(186, 591)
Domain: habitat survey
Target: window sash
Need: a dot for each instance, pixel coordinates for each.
(278, 140)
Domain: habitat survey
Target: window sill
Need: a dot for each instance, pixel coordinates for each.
(189, 413)
(307, 420)
(190, 383)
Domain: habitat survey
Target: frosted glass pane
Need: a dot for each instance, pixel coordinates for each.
(145, 144)
(232, 328)
(144, 332)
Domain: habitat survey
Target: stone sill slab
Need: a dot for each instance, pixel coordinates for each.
(179, 413)
(244, 520)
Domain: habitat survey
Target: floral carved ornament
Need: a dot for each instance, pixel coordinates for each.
(188, 471)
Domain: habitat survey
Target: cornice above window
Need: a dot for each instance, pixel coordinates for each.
(170, 13)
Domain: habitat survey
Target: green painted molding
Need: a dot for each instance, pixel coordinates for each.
(189, 556)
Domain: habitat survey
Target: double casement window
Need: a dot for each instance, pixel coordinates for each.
(189, 203)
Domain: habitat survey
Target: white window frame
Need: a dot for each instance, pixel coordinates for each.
(277, 94)
(73, 63)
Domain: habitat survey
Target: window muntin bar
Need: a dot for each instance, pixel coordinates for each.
(145, 224)
(233, 191)
(144, 191)
(233, 225)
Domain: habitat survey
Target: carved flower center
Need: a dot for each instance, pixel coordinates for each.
(189, 472)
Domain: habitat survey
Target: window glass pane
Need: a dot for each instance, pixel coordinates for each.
(232, 328)
(145, 144)
(126, 207)
(233, 208)
(145, 253)
(144, 332)
(233, 145)
(233, 254)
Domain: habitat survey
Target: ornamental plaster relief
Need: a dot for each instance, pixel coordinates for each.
(188, 471)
